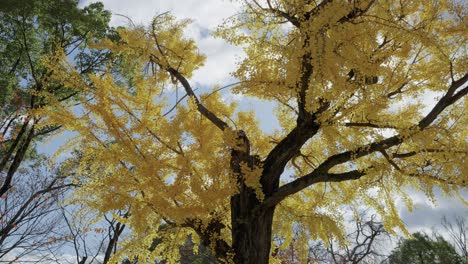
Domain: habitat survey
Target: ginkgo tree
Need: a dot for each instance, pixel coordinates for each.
(348, 78)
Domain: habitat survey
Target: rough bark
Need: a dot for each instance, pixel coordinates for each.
(251, 234)
(251, 237)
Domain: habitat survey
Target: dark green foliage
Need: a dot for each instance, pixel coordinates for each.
(421, 249)
(30, 31)
(33, 29)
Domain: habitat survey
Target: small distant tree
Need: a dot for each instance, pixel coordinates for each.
(363, 244)
(92, 241)
(29, 212)
(422, 249)
(91, 236)
(458, 232)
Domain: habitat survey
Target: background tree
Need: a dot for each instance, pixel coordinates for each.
(364, 243)
(91, 241)
(457, 230)
(29, 214)
(29, 34)
(422, 249)
(91, 236)
(31, 31)
(347, 77)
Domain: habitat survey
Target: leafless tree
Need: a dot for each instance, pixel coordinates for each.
(91, 239)
(364, 244)
(36, 225)
(28, 210)
(457, 232)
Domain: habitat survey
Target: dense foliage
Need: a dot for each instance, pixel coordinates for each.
(348, 78)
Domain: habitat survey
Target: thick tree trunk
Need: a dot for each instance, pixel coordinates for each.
(251, 231)
(251, 239)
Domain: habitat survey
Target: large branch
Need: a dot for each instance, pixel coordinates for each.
(320, 174)
(316, 9)
(285, 150)
(305, 181)
(307, 70)
(12, 147)
(448, 99)
(356, 12)
(291, 18)
(306, 127)
(6, 185)
(296, 21)
(369, 125)
(201, 108)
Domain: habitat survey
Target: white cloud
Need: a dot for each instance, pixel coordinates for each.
(206, 16)
(427, 213)
(208, 13)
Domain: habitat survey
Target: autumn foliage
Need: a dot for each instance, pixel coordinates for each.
(348, 79)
